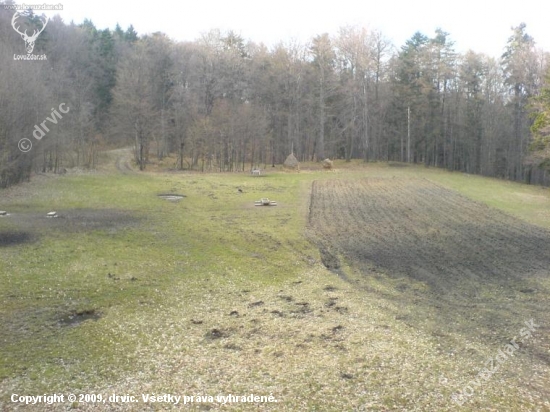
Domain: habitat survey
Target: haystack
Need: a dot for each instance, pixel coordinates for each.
(291, 162)
(327, 164)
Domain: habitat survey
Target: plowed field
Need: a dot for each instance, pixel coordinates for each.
(416, 228)
(461, 265)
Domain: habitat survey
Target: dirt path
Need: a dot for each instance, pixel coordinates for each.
(123, 160)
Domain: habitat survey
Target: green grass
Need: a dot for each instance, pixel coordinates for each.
(529, 203)
(197, 260)
(214, 232)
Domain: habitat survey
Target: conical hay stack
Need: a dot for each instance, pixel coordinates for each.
(291, 162)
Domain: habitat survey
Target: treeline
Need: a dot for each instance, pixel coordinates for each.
(221, 103)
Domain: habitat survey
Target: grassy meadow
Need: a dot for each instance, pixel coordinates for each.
(128, 293)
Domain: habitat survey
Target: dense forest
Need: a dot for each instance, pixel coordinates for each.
(222, 103)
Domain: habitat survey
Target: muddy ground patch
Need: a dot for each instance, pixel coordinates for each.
(25, 227)
(15, 237)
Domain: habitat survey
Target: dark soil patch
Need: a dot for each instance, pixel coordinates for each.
(330, 303)
(255, 304)
(330, 288)
(330, 260)
(527, 290)
(302, 310)
(14, 238)
(74, 220)
(76, 318)
(215, 333)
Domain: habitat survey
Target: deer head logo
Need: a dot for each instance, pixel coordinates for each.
(29, 40)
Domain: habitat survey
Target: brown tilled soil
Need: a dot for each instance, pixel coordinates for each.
(463, 266)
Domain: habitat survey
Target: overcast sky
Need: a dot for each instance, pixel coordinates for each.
(480, 25)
